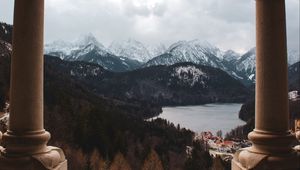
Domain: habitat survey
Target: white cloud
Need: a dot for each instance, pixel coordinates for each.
(229, 24)
(6, 11)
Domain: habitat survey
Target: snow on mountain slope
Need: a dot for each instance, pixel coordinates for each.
(247, 63)
(87, 48)
(85, 45)
(230, 55)
(156, 50)
(190, 74)
(131, 49)
(136, 50)
(196, 51)
(87, 39)
(59, 48)
(293, 57)
(245, 66)
(207, 47)
(72, 50)
(129, 54)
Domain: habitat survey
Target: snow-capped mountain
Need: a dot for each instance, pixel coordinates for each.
(293, 57)
(201, 52)
(131, 49)
(246, 64)
(85, 45)
(231, 55)
(156, 50)
(87, 48)
(196, 51)
(130, 54)
(87, 39)
(59, 48)
(247, 61)
(75, 49)
(136, 50)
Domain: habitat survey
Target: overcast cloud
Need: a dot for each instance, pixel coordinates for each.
(229, 24)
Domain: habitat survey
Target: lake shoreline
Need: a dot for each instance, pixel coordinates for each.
(203, 114)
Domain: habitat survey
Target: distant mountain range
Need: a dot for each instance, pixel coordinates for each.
(88, 49)
(182, 83)
(130, 54)
(178, 84)
(240, 67)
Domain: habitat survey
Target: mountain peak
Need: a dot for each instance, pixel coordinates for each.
(136, 50)
(130, 48)
(177, 44)
(203, 43)
(71, 50)
(88, 39)
(293, 56)
(231, 55)
(252, 50)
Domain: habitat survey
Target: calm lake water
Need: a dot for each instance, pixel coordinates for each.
(209, 117)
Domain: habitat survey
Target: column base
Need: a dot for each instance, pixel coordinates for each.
(53, 159)
(269, 151)
(271, 143)
(25, 143)
(246, 159)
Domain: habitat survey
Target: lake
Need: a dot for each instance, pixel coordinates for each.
(209, 117)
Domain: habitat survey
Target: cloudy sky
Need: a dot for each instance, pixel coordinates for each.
(229, 24)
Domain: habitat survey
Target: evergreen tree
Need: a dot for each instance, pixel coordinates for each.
(119, 163)
(152, 162)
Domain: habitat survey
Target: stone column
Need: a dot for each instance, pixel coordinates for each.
(271, 137)
(25, 142)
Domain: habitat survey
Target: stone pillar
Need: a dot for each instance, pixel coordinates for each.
(25, 142)
(271, 137)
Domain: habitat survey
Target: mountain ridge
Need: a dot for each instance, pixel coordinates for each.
(127, 55)
(87, 48)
